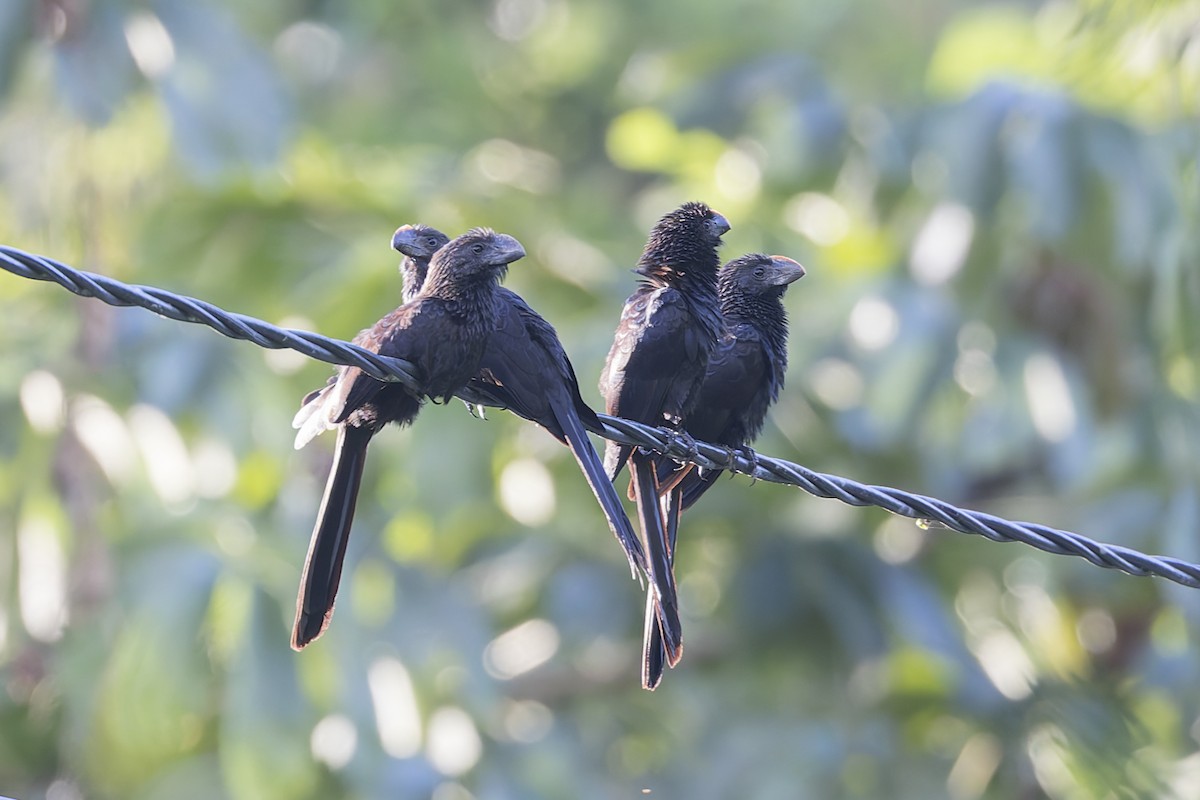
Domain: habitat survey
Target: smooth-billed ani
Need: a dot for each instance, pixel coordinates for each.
(442, 331)
(655, 367)
(525, 369)
(744, 377)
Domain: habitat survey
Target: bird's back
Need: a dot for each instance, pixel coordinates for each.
(526, 369)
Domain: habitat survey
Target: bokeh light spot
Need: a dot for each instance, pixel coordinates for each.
(454, 745)
(521, 649)
(527, 492)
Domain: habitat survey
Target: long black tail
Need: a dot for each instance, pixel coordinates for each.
(655, 658)
(658, 551)
(606, 494)
(327, 549)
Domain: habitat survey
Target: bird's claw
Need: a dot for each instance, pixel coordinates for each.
(747, 454)
(476, 410)
(682, 441)
(730, 458)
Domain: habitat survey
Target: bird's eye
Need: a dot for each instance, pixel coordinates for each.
(759, 272)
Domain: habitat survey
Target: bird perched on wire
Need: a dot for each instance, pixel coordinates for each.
(525, 369)
(442, 331)
(743, 379)
(653, 373)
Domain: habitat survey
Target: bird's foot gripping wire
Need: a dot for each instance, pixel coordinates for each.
(681, 447)
(237, 326)
(747, 454)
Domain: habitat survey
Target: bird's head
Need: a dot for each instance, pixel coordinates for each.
(480, 252)
(759, 275)
(684, 240)
(418, 241)
(694, 219)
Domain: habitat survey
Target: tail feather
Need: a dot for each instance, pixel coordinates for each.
(615, 456)
(606, 494)
(670, 514)
(655, 657)
(658, 553)
(313, 417)
(327, 548)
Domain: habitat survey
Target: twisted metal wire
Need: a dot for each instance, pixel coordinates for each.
(189, 309)
(677, 446)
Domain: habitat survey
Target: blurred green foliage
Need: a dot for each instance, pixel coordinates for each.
(999, 206)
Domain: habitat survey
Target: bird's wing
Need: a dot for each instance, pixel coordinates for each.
(654, 342)
(397, 335)
(516, 368)
(543, 334)
(733, 395)
(738, 371)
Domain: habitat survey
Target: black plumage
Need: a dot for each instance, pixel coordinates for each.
(743, 379)
(653, 373)
(442, 331)
(525, 369)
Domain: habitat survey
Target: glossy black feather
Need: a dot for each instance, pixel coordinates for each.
(327, 547)
(653, 372)
(743, 379)
(442, 332)
(668, 326)
(525, 369)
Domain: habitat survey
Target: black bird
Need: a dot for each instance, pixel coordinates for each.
(442, 331)
(653, 373)
(525, 369)
(744, 377)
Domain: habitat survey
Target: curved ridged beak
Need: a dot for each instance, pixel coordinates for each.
(405, 241)
(721, 224)
(786, 270)
(508, 249)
